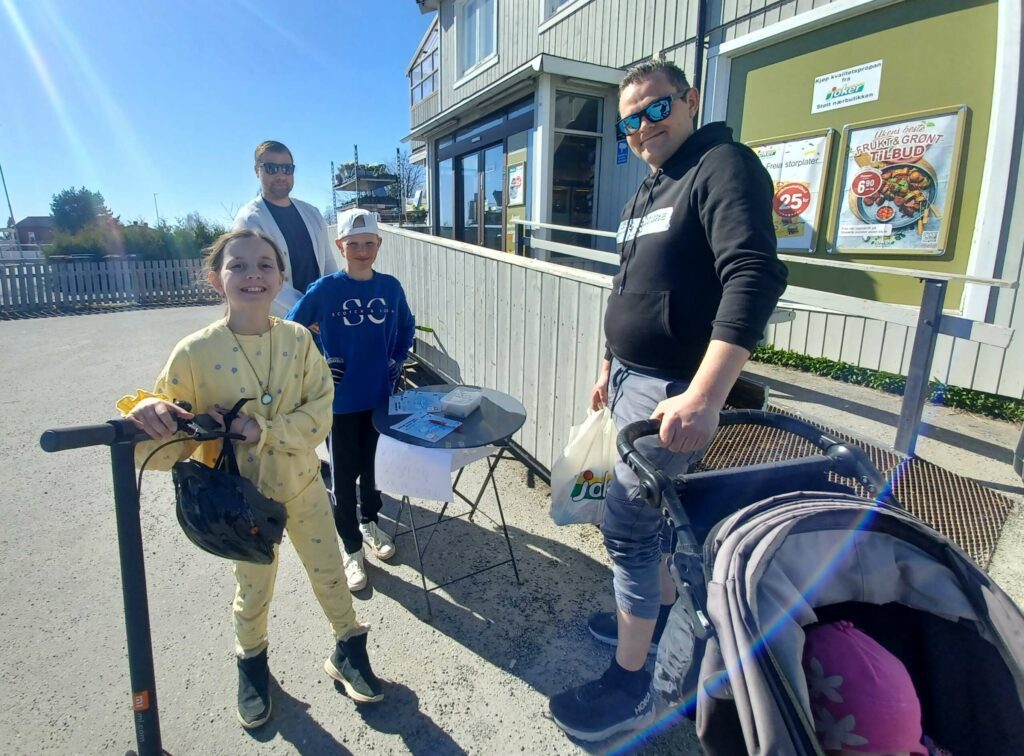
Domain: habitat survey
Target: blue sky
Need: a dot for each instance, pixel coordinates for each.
(136, 97)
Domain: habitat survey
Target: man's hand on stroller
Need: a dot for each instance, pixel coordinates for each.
(688, 421)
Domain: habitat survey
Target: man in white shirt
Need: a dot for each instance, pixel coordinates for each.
(297, 227)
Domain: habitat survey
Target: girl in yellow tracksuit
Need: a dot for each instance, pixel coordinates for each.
(275, 362)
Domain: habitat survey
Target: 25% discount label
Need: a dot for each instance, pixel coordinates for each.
(790, 200)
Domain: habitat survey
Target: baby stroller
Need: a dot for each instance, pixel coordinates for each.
(767, 550)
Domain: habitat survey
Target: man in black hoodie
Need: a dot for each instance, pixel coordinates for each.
(698, 279)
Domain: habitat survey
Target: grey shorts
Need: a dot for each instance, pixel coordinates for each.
(635, 533)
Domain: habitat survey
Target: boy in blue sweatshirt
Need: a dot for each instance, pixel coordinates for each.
(366, 329)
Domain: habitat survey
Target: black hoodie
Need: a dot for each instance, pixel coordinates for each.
(697, 258)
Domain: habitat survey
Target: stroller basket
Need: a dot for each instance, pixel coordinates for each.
(767, 550)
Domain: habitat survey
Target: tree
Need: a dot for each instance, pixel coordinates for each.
(410, 177)
(75, 209)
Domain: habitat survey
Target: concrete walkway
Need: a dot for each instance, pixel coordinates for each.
(475, 680)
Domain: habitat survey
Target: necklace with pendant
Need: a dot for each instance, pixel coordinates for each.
(266, 397)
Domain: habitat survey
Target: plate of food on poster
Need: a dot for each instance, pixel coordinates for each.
(904, 197)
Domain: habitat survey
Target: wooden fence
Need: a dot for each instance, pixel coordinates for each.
(27, 286)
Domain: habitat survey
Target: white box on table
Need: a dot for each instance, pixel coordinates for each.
(461, 402)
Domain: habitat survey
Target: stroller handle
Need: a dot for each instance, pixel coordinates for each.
(846, 460)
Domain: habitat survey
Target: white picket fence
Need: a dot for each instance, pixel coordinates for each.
(27, 286)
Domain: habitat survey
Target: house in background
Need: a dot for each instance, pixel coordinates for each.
(36, 230)
(514, 102)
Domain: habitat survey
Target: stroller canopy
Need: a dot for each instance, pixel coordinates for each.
(794, 560)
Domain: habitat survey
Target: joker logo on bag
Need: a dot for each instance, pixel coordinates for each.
(589, 486)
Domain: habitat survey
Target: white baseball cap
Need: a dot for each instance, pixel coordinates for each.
(357, 221)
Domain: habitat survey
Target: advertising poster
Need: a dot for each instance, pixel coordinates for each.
(517, 184)
(898, 180)
(797, 166)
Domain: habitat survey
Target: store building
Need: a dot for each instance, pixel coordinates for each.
(892, 128)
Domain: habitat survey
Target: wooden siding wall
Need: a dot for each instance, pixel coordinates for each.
(525, 327)
(605, 32)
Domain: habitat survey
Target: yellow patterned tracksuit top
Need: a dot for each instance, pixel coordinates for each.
(207, 368)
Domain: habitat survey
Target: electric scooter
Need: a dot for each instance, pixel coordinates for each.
(122, 436)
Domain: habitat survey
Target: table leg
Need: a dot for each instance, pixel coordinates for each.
(504, 527)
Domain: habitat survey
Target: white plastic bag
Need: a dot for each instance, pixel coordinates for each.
(580, 476)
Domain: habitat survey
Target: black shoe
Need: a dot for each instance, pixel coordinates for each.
(615, 702)
(350, 666)
(253, 691)
(604, 626)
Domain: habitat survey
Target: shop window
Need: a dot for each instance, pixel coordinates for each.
(578, 112)
(574, 175)
(446, 199)
(423, 76)
(476, 30)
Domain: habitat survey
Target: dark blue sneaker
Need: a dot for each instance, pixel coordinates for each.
(599, 709)
(604, 626)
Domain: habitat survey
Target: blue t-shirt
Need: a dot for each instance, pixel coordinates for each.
(365, 328)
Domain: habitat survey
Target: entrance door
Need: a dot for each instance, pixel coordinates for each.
(482, 196)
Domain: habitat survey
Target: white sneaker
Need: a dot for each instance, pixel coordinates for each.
(379, 541)
(355, 572)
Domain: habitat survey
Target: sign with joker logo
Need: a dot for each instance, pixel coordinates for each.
(797, 167)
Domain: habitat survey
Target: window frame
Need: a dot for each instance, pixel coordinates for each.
(466, 72)
(553, 16)
(424, 54)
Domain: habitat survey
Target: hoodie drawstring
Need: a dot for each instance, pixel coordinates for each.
(628, 255)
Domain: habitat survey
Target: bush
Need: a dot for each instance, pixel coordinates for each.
(979, 402)
(107, 237)
(93, 242)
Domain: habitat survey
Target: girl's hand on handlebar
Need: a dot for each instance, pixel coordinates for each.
(243, 425)
(688, 422)
(157, 417)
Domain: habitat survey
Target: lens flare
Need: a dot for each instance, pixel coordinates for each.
(56, 101)
(670, 717)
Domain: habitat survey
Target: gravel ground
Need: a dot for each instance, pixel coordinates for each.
(475, 680)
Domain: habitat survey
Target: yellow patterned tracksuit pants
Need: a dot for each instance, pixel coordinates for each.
(310, 528)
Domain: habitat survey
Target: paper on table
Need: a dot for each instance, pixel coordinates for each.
(407, 470)
(412, 401)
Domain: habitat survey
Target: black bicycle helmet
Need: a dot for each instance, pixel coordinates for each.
(223, 513)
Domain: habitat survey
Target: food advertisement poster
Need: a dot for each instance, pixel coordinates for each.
(797, 166)
(517, 184)
(898, 182)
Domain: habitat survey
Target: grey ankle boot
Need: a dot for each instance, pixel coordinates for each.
(350, 666)
(253, 691)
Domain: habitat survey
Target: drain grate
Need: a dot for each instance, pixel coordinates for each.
(966, 512)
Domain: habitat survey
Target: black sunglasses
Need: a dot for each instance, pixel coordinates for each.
(273, 168)
(658, 110)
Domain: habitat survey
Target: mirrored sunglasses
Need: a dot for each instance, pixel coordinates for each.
(658, 110)
(274, 168)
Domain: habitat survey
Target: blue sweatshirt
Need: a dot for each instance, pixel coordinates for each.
(366, 329)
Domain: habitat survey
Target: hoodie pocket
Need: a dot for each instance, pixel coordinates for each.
(637, 326)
